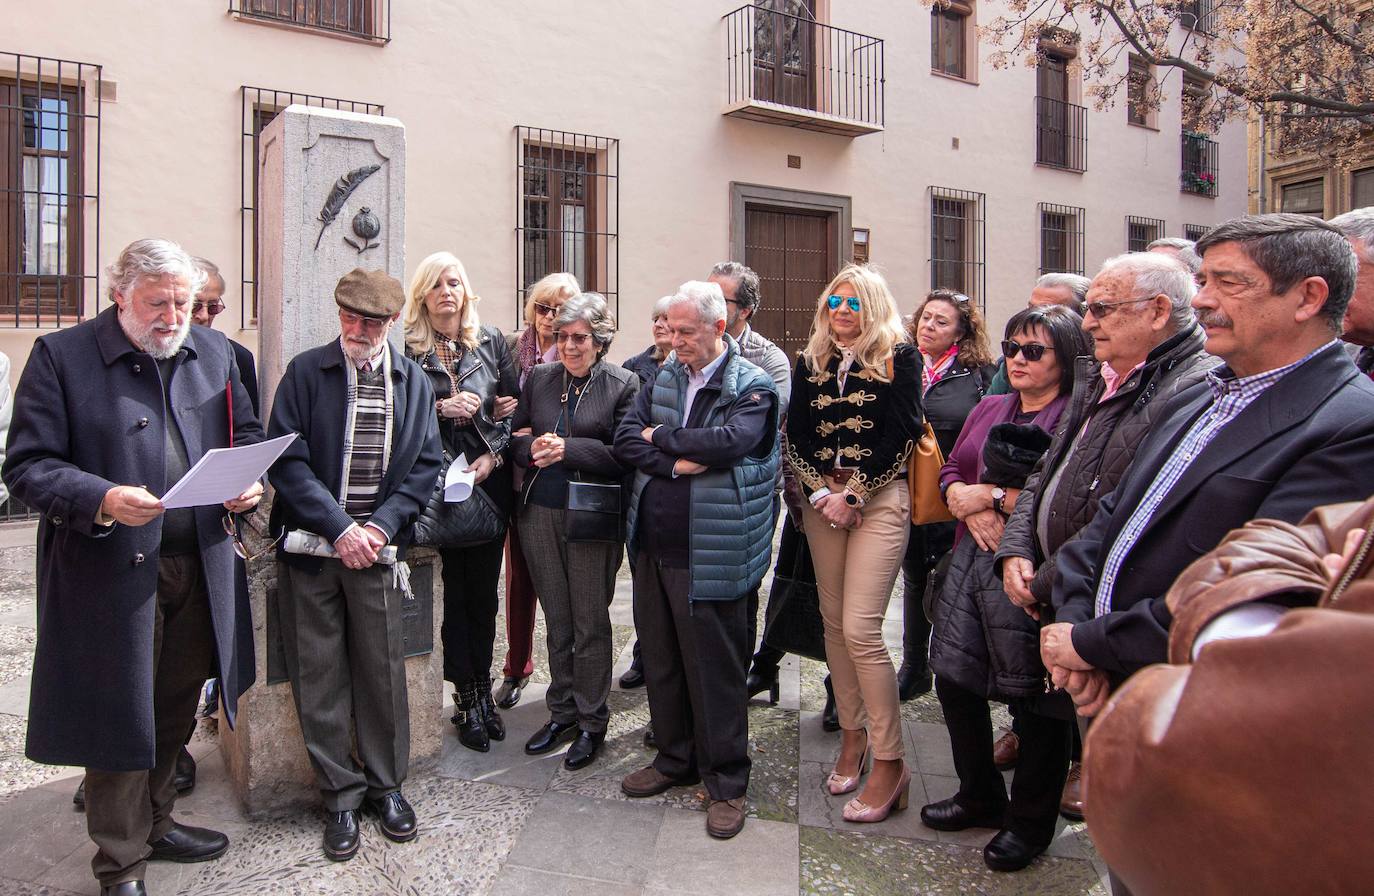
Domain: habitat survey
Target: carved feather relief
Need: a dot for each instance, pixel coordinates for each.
(343, 188)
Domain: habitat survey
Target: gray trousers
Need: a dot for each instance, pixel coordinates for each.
(125, 811)
(341, 630)
(575, 583)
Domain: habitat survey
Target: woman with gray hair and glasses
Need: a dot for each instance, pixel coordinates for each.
(564, 427)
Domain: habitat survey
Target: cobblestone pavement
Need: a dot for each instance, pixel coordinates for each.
(507, 823)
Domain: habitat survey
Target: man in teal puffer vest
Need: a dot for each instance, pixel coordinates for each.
(702, 438)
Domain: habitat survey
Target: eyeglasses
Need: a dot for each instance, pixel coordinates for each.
(545, 310)
(1033, 351)
(835, 301)
(371, 324)
(212, 307)
(577, 339)
(1102, 309)
(232, 528)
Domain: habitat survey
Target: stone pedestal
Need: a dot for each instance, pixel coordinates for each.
(319, 170)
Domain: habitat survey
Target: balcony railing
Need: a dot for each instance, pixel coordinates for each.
(365, 19)
(1061, 134)
(1198, 169)
(793, 71)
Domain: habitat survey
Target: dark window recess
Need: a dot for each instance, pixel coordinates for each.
(49, 190)
(1061, 239)
(1061, 127)
(1140, 232)
(367, 19)
(958, 242)
(567, 211)
(949, 22)
(1198, 170)
(259, 106)
(1307, 197)
(861, 245)
(1196, 15)
(1362, 188)
(1195, 232)
(1138, 91)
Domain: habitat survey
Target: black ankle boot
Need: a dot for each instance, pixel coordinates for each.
(496, 728)
(472, 732)
(757, 683)
(830, 716)
(913, 680)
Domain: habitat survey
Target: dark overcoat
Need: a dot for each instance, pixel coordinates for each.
(89, 415)
(312, 401)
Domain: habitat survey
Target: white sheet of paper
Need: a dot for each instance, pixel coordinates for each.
(223, 474)
(457, 484)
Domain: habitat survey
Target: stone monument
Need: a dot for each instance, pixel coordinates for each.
(331, 197)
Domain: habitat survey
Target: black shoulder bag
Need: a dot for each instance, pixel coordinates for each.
(593, 509)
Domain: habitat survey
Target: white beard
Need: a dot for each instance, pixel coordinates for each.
(159, 346)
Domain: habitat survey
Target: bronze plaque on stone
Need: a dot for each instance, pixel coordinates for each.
(417, 612)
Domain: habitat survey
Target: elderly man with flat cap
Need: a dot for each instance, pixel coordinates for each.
(364, 465)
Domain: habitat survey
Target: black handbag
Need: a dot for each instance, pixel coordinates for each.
(793, 622)
(444, 524)
(593, 513)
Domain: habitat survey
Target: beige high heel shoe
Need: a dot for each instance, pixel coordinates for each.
(838, 784)
(858, 811)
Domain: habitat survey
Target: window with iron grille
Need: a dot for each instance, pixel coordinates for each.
(1195, 232)
(1061, 239)
(1196, 15)
(958, 242)
(567, 211)
(861, 245)
(259, 106)
(949, 24)
(1140, 232)
(50, 185)
(366, 19)
(1306, 197)
(1362, 188)
(1138, 91)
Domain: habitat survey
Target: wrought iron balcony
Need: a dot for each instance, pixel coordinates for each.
(368, 20)
(790, 70)
(1061, 134)
(1198, 168)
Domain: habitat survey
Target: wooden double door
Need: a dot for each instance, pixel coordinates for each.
(794, 254)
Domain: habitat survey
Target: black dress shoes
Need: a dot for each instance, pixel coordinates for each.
(397, 818)
(79, 798)
(341, 835)
(187, 844)
(185, 778)
(913, 681)
(583, 750)
(1007, 851)
(951, 815)
(633, 678)
(508, 694)
(547, 739)
(757, 683)
(830, 716)
(127, 888)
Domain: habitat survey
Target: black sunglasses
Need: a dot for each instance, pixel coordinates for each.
(1033, 351)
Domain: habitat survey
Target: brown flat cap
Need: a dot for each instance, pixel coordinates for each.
(370, 293)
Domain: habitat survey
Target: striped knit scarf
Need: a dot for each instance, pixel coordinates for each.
(351, 418)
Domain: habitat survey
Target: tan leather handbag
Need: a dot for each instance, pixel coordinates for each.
(1247, 771)
(923, 480)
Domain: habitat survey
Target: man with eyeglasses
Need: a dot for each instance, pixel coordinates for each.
(363, 466)
(136, 603)
(208, 305)
(1050, 289)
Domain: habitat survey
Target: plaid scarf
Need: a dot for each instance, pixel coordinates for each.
(933, 369)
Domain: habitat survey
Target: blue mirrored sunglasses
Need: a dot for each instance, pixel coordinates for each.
(835, 301)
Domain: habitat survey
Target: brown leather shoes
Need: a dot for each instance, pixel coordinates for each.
(1071, 804)
(725, 818)
(1006, 751)
(649, 781)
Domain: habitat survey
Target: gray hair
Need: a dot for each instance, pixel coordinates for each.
(1074, 283)
(1290, 247)
(1358, 224)
(705, 297)
(1187, 251)
(149, 259)
(747, 292)
(1157, 274)
(661, 307)
(592, 308)
(211, 271)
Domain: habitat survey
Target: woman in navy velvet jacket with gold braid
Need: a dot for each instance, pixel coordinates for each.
(854, 416)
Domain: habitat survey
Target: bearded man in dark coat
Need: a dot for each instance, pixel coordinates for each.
(136, 603)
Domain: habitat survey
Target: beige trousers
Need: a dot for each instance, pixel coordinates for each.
(855, 571)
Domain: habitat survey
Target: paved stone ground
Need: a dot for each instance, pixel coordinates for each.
(506, 823)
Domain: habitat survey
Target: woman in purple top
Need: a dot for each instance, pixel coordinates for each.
(982, 646)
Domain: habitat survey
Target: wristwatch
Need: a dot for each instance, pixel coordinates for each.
(999, 495)
(851, 499)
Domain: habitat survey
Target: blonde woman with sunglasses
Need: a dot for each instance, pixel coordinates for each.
(854, 414)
